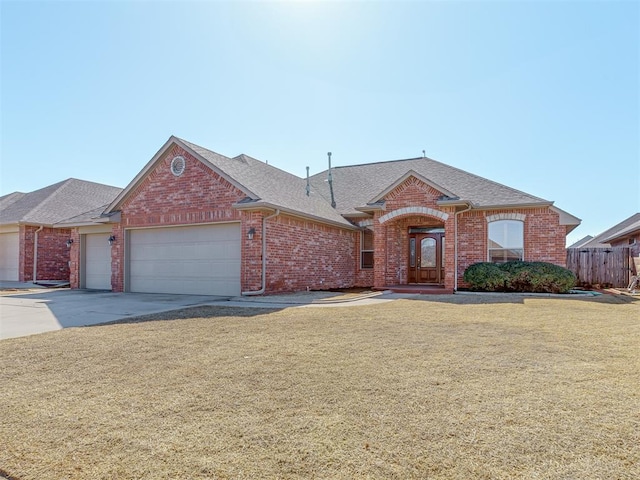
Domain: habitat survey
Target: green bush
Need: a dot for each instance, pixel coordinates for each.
(486, 276)
(538, 277)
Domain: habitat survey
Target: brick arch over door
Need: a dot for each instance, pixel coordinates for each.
(406, 211)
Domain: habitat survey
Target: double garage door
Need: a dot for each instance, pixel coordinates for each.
(197, 260)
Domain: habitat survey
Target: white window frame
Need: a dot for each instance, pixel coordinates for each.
(508, 247)
(362, 250)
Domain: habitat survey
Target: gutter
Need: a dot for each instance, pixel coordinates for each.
(35, 253)
(257, 205)
(264, 256)
(455, 247)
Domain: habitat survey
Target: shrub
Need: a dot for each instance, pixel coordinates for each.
(538, 277)
(485, 276)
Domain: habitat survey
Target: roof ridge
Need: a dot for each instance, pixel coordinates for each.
(445, 165)
(47, 199)
(192, 145)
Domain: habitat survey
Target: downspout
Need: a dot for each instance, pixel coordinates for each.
(264, 256)
(455, 247)
(35, 253)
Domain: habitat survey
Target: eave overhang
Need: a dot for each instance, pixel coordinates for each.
(371, 207)
(260, 205)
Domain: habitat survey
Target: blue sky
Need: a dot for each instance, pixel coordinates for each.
(542, 96)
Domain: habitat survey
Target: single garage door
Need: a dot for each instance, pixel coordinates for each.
(97, 266)
(9, 255)
(199, 260)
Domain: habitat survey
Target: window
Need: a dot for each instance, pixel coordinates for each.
(366, 249)
(506, 241)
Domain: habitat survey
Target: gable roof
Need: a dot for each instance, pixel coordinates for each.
(264, 185)
(621, 229)
(354, 186)
(55, 203)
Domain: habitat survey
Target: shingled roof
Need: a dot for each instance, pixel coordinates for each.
(354, 186)
(270, 186)
(264, 185)
(621, 229)
(357, 185)
(57, 202)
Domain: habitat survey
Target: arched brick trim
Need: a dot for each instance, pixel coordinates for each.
(506, 216)
(366, 223)
(414, 211)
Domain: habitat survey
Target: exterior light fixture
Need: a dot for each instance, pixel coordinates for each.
(111, 239)
(251, 233)
(69, 242)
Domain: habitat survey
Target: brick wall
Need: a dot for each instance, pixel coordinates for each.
(544, 237)
(304, 254)
(53, 254)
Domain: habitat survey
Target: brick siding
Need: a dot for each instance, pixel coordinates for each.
(414, 204)
(53, 254)
(303, 254)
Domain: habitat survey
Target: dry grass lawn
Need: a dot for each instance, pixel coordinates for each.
(455, 387)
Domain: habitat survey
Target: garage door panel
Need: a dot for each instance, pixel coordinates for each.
(97, 268)
(202, 260)
(9, 256)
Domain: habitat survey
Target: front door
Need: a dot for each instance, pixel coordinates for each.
(426, 258)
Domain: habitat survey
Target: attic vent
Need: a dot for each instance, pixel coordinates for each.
(177, 165)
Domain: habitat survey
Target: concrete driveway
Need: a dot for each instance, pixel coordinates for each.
(45, 310)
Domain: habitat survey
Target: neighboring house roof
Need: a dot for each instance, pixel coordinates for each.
(10, 199)
(621, 229)
(628, 230)
(581, 242)
(57, 202)
(357, 185)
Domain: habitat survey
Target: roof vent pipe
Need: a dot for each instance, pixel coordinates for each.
(308, 186)
(424, 154)
(333, 200)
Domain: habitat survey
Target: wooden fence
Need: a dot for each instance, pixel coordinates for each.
(608, 267)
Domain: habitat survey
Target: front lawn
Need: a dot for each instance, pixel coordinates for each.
(452, 387)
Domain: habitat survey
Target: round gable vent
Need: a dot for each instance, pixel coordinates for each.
(177, 165)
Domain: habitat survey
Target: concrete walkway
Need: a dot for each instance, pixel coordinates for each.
(28, 309)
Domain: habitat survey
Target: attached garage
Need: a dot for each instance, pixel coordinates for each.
(200, 260)
(96, 262)
(9, 256)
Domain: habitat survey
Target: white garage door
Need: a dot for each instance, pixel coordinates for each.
(97, 267)
(200, 260)
(9, 255)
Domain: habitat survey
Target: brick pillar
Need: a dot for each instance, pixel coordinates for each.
(251, 270)
(380, 252)
(117, 258)
(74, 259)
